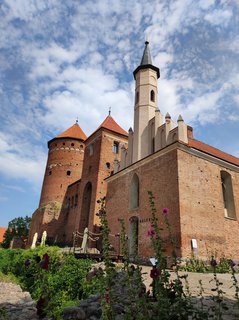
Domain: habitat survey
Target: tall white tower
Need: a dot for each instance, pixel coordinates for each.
(146, 96)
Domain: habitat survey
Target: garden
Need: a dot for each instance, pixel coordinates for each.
(68, 288)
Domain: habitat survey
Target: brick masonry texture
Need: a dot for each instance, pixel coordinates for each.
(201, 208)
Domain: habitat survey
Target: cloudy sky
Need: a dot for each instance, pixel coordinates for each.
(60, 60)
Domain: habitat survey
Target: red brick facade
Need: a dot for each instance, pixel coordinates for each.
(75, 179)
(190, 186)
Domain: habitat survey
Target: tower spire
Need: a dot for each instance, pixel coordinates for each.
(146, 61)
(146, 58)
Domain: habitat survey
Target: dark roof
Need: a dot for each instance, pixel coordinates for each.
(146, 58)
(146, 61)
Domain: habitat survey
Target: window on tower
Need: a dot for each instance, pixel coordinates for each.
(91, 149)
(137, 97)
(68, 172)
(152, 96)
(116, 147)
(227, 194)
(76, 200)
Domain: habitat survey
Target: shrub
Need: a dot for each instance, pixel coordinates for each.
(54, 280)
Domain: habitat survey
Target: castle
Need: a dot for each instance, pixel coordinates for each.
(198, 183)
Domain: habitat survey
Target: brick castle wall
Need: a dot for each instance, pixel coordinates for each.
(158, 175)
(64, 155)
(201, 208)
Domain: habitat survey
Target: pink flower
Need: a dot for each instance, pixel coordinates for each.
(151, 232)
(165, 211)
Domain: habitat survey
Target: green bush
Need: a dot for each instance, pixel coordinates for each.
(62, 283)
(198, 265)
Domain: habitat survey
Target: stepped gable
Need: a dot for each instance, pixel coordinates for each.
(110, 124)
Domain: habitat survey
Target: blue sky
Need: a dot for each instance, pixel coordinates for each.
(60, 60)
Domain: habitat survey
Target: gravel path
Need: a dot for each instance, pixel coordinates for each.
(208, 284)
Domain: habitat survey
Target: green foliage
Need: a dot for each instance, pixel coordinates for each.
(17, 227)
(63, 283)
(202, 266)
(7, 238)
(8, 278)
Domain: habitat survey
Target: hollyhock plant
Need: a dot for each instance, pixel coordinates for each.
(165, 211)
(45, 261)
(213, 263)
(151, 232)
(155, 273)
(27, 263)
(101, 213)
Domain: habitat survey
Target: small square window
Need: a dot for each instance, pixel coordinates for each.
(68, 172)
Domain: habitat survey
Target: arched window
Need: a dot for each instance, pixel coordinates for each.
(85, 208)
(68, 172)
(152, 95)
(227, 194)
(134, 192)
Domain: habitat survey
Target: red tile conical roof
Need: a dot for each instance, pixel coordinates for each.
(74, 131)
(110, 124)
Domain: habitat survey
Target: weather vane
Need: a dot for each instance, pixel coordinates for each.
(76, 119)
(109, 111)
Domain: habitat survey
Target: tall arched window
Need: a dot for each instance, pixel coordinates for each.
(227, 194)
(85, 209)
(152, 95)
(134, 192)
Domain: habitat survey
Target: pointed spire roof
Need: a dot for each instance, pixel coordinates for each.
(146, 58)
(146, 61)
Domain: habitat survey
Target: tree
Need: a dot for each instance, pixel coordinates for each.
(18, 227)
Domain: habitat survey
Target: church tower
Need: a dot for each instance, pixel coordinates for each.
(146, 93)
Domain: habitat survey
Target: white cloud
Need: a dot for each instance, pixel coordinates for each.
(17, 161)
(66, 59)
(218, 17)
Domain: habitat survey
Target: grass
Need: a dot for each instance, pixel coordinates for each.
(8, 278)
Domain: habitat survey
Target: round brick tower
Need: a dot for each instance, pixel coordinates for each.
(64, 164)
